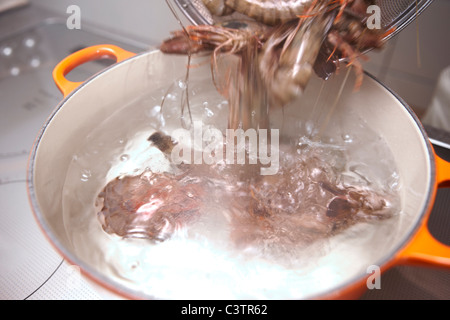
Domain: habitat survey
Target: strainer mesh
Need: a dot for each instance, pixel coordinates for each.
(391, 11)
(394, 13)
(400, 13)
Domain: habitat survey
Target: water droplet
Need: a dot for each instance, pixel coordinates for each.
(124, 157)
(181, 84)
(29, 42)
(7, 51)
(35, 62)
(134, 265)
(347, 138)
(208, 112)
(316, 172)
(223, 105)
(393, 182)
(85, 175)
(170, 97)
(15, 71)
(154, 111)
(309, 126)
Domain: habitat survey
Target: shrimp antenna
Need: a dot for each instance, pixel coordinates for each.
(186, 79)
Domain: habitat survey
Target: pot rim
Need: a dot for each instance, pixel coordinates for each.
(87, 270)
(390, 258)
(118, 288)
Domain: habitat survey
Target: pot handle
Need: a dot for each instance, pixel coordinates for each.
(82, 56)
(424, 249)
(443, 172)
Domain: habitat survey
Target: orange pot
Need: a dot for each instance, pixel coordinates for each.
(88, 103)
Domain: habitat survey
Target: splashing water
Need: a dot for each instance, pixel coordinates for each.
(209, 231)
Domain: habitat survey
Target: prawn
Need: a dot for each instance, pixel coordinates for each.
(289, 40)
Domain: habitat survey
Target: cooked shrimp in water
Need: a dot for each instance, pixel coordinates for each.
(308, 200)
(287, 41)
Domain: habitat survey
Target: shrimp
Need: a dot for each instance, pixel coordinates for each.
(314, 35)
(304, 203)
(148, 206)
(287, 65)
(217, 7)
(231, 37)
(242, 39)
(271, 12)
(349, 38)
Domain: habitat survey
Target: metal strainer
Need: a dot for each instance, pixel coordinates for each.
(394, 13)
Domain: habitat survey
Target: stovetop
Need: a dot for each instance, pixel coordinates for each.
(29, 267)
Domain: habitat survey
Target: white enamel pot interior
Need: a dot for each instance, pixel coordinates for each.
(342, 272)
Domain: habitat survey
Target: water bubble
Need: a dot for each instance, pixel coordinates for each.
(181, 84)
(153, 111)
(7, 51)
(170, 97)
(223, 105)
(300, 186)
(15, 71)
(208, 112)
(185, 123)
(85, 175)
(347, 138)
(309, 126)
(162, 120)
(124, 157)
(316, 172)
(29, 42)
(393, 182)
(134, 265)
(35, 62)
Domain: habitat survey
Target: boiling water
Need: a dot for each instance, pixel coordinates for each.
(240, 245)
